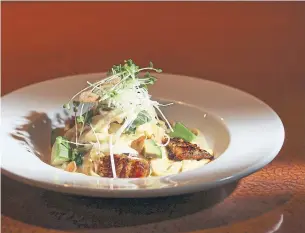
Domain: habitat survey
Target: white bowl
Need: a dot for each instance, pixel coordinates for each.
(244, 132)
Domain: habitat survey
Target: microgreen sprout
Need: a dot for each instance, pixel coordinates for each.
(97, 139)
(124, 90)
(67, 106)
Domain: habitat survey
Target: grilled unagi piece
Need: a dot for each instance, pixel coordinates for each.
(178, 149)
(126, 167)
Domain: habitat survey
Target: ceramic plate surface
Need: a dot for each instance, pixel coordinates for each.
(244, 132)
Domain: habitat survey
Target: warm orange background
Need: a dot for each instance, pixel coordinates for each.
(258, 47)
(220, 41)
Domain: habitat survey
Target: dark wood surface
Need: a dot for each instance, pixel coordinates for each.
(257, 47)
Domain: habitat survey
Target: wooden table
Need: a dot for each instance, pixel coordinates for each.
(257, 47)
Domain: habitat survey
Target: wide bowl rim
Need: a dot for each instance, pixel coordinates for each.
(164, 191)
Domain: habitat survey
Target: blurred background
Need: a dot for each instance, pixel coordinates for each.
(262, 43)
(258, 47)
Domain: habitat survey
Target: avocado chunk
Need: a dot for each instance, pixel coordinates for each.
(180, 131)
(151, 149)
(55, 133)
(61, 152)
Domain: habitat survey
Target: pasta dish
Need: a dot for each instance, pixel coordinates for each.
(119, 131)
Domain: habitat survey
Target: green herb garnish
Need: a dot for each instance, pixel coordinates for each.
(77, 157)
(141, 119)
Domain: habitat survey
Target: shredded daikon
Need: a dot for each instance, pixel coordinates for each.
(128, 95)
(112, 157)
